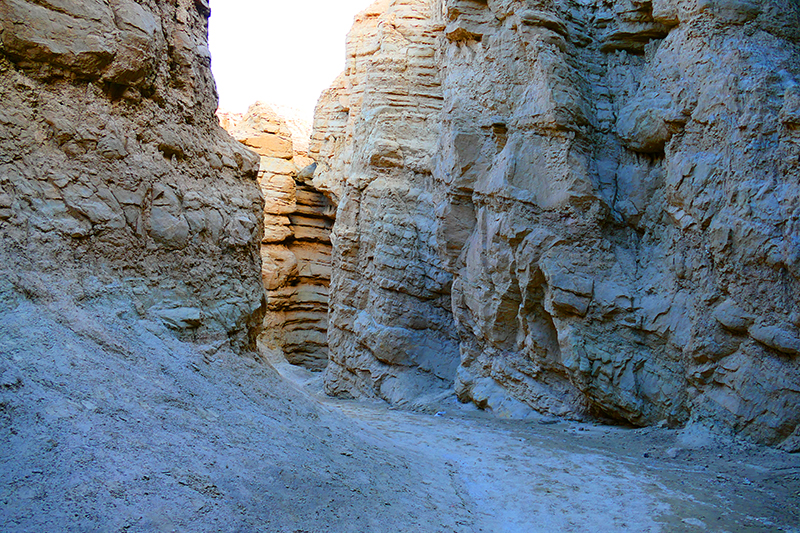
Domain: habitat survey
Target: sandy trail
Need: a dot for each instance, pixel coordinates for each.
(522, 476)
(508, 484)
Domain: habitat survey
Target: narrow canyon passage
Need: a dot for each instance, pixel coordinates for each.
(561, 211)
(524, 250)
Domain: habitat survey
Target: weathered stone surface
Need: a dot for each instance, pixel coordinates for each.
(296, 249)
(391, 333)
(782, 339)
(270, 146)
(565, 199)
(114, 171)
(732, 317)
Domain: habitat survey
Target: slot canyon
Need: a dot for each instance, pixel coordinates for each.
(534, 266)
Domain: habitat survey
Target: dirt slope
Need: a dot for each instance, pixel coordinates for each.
(111, 424)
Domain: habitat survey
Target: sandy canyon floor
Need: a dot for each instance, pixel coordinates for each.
(109, 423)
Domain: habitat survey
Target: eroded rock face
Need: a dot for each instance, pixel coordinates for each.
(114, 172)
(608, 200)
(296, 246)
(392, 334)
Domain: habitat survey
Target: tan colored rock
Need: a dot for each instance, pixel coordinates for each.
(285, 122)
(229, 121)
(276, 228)
(548, 206)
(273, 165)
(115, 176)
(280, 194)
(270, 146)
(296, 250)
(299, 126)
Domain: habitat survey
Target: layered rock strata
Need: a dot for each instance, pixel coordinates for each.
(391, 333)
(601, 200)
(115, 176)
(296, 246)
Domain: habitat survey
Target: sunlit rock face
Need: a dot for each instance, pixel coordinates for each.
(392, 333)
(115, 176)
(296, 246)
(595, 201)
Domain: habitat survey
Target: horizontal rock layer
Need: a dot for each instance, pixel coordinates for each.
(391, 333)
(114, 173)
(296, 246)
(586, 209)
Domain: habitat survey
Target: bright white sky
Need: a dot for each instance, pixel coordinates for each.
(279, 51)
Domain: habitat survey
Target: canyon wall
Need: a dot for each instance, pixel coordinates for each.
(582, 208)
(115, 176)
(296, 246)
(391, 331)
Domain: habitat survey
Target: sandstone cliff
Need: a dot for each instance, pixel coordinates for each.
(115, 176)
(296, 248)
(392, 332)
(583, 208)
